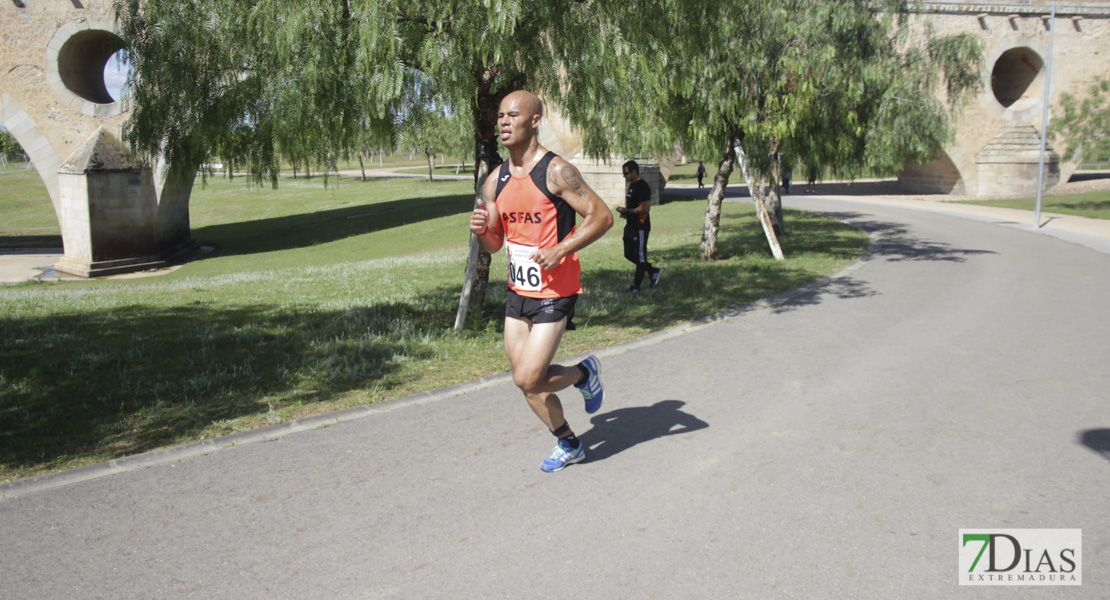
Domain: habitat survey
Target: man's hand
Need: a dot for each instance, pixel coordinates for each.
(546, 258)
(479, 219)
(623, 212)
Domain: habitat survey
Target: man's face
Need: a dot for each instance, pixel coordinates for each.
(516, 121)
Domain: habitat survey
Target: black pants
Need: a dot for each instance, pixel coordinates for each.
(635, 250)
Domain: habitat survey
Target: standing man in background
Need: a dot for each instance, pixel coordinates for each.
(530, 206)
(637, 205)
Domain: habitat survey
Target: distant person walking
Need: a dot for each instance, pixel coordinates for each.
(636, 209)
(701, 174)
(529, 205)
(812, 171)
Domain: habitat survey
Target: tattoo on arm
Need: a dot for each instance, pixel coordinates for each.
(573, 180)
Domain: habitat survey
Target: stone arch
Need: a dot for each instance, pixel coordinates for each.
(940, 176)
(34, 143)
(115, 213)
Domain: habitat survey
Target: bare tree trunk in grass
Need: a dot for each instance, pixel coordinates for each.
(362, 166)
(477, 260)
(431, 165)
(761, 208)
(708, 247)
(485, 117)
(774, 199)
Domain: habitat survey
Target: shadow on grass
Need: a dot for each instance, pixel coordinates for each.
(109, 383)
(308, 229)
(30, 241)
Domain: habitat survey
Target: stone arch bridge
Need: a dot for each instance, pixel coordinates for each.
(117, 215)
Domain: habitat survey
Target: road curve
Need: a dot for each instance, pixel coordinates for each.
(828, 443)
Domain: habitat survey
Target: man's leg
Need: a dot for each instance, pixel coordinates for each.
(643, 267)
(531, 347)
(632, 254)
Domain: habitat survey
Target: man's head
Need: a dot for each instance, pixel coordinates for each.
(519, 118)
(631, 171)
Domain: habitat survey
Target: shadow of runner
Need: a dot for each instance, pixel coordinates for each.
(621, 429)
(1097, 440)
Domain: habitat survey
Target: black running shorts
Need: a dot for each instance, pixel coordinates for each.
(541, 310)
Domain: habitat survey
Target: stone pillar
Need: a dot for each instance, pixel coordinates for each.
(111, 218)
(1007, 166)
(606, 179)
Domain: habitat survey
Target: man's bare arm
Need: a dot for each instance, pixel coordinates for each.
(564, 180)
(485, 220)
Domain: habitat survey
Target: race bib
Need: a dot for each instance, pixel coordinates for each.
(524, 273)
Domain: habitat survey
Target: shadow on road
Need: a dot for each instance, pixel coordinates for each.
(1097, 440)
(894, 242)
(621, 429)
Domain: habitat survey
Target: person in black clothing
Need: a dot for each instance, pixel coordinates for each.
(701, 173)
(637, 205)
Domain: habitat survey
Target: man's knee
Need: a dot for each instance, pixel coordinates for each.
(530, 381)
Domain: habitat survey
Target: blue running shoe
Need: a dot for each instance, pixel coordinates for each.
(562, 456)
(592, 390)
(655, 276)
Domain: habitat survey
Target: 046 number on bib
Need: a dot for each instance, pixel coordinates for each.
(524, 273)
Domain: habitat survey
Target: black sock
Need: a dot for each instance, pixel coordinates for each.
(572, 441)
(585, 374)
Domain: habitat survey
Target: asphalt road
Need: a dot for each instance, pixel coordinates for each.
(828, 443)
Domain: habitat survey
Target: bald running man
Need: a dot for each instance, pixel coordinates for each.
(529, 206)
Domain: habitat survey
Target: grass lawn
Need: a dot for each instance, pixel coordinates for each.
(447, 169)
(27, 218)
(317, 299)
(1095, 205)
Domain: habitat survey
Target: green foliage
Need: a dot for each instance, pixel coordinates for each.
(1084, 127)
(10, 150)
(837, 83)
(259, 79)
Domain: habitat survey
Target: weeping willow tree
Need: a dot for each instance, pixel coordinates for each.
(847, 84)
(1082, 123)
(305, 81)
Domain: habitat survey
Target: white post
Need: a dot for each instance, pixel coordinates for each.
(1044, 118)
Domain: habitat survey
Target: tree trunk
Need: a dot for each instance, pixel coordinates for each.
(761, 208)
(478, 261)
(380, 151)
(774, 199)
(431, 165)
(708, 247)
(362, 166)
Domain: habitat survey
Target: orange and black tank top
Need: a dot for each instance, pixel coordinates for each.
(533, 217)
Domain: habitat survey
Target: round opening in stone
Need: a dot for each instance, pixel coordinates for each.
(81, 63)
(1014, 74)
